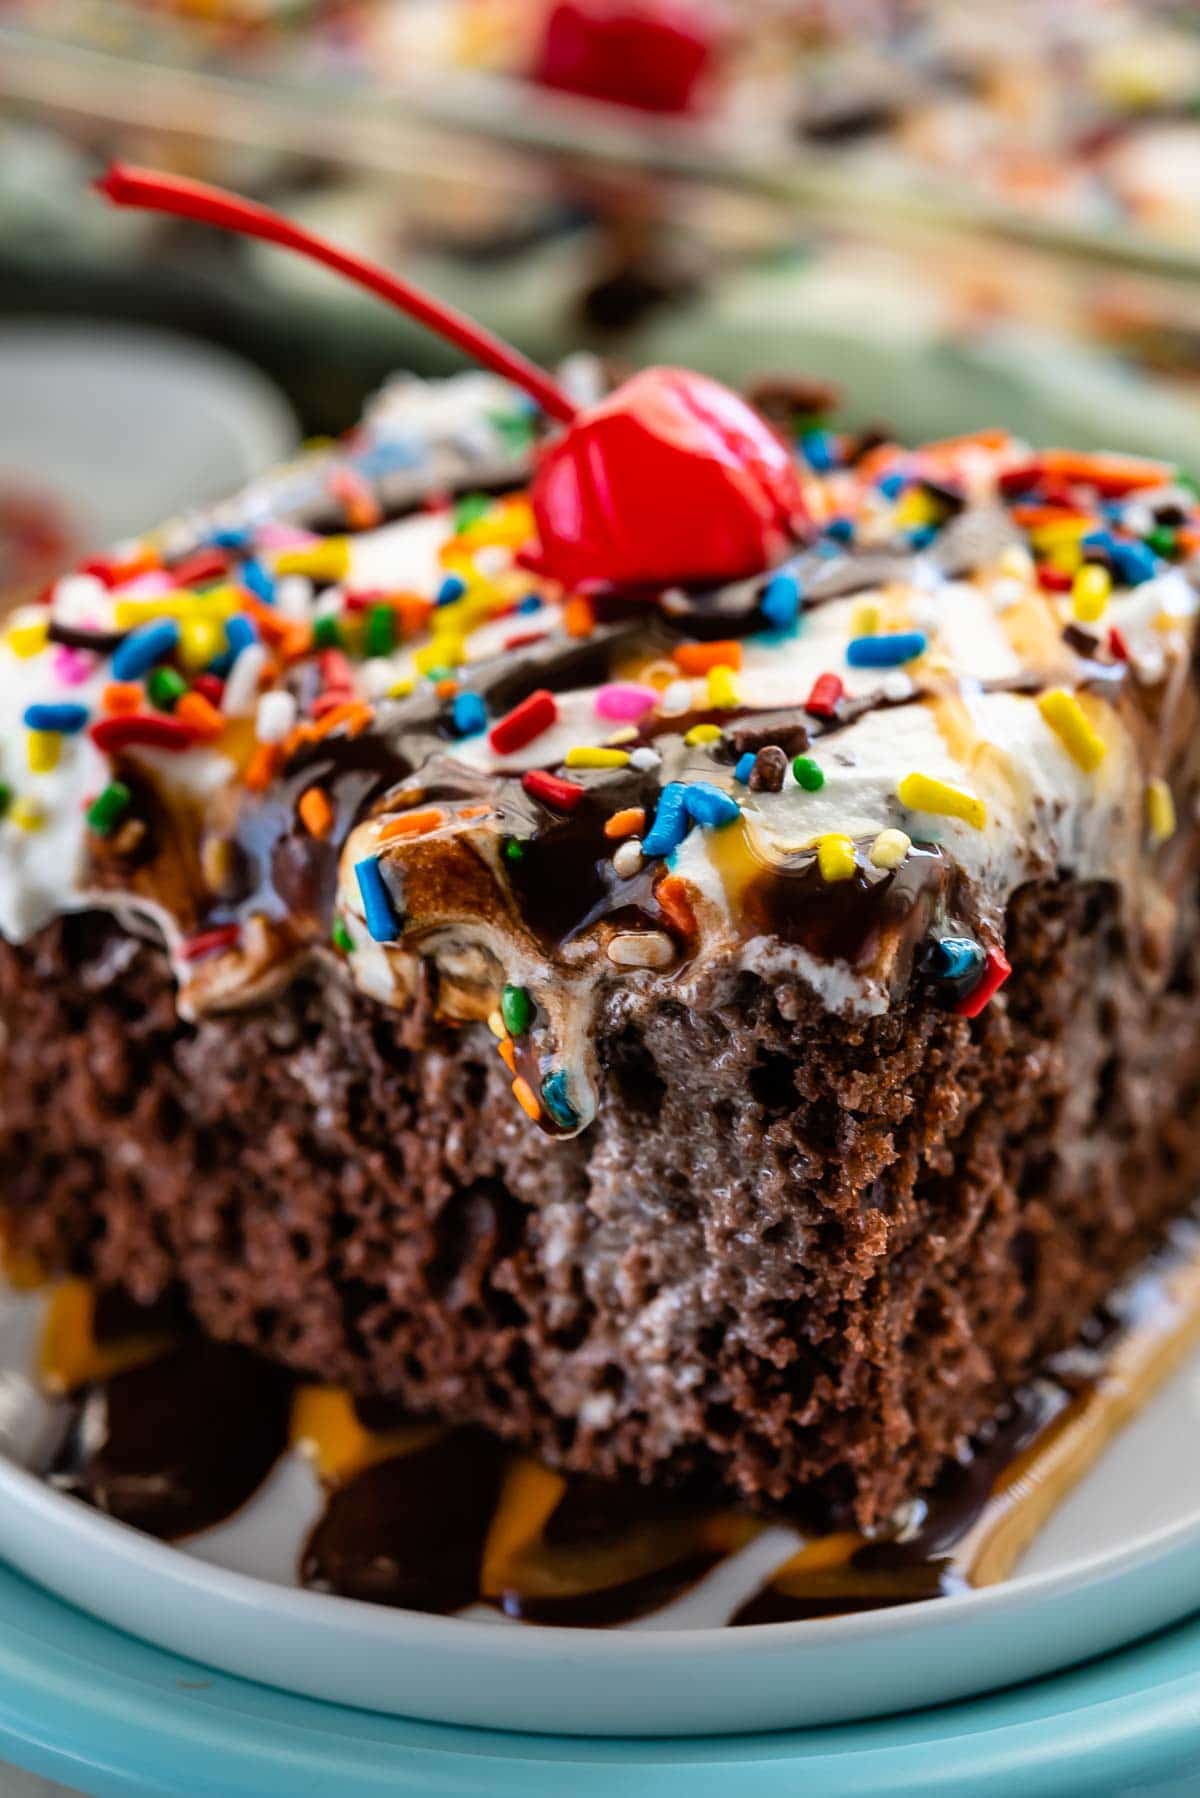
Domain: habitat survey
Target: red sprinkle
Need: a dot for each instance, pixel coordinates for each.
(1021, 479)
(822, 702)
(330, 700)
(209, 941)
(335, 670)
(101, 567)
(1053, 580)
(153, 730)
(1117, 645)
(559, 795)
(996, 970)
(202, 565)
(522, 639)
(525, 722)
(209, 687)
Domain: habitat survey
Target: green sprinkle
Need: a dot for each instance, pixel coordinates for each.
(514, 850)
(1162, 540)
(808, 774)
(6, 797)
(1188, 481)
(470, 509)
(341, 937)
(437, 674)
(515, 429)
(108, 808)
(166, 687)
(380, 637)
(327, 632)
(516, 1008)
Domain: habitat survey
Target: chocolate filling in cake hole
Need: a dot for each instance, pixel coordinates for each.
(174, 1433)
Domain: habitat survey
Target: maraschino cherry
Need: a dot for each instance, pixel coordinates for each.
(654, 55)
(672, 479)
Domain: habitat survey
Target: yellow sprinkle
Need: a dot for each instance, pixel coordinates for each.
(702, 733)
(1160, 811)
(1067, 558)
(400, 689)
(1060, 531)
(914, 508)
(27, 640)
(864, 619)
(328, 560)
(1090, 591)
(890, 848)
(43, 748)
(200, 640)
(220, 602)
(722, 688)
(584, 757)
(835, 856)
(1069, 722)
(443, 652)
(496, 1024)
(26, 814)
(922, 793)
(627, 734)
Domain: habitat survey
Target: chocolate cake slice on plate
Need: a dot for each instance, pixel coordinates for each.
(676, 944)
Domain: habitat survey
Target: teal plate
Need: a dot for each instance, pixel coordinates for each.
(100, 1711)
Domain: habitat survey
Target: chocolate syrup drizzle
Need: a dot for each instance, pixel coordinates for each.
(178, 1443)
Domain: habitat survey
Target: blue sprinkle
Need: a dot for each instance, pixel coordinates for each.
(892, 485)
(382, 458)
(378, 909)
(780, 603)
(148, 644)
(1134, 563)
(69, 718)
(255, 578)
(240, 633)
(745, 767)
(238, 537)
(840, 530)
(452, 588)
(555, 1098)
(954, 957)
(671, 821)
(469, 714)
(819, 449)
(709, 806)
(532, 602)
(1101, 541)
(886, 651)
(922, 535)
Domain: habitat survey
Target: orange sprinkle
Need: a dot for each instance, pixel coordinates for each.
(526, 1098)
(201, 718)
(674, 904)
(413, 611)
(361, 507)
(626, 823)
(507, 1053)
(355, 714)
(261, 766)
(272, 626)
(413, 824)
(316, 813)
(446, 689)
(699, 658)
(579, 620)
(121, 696)
(297, 738)
(144, 561)
(468, 812)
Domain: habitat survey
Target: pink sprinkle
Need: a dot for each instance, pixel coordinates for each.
(71, 666)
(625, 700)
(271, 534)
(150, 585)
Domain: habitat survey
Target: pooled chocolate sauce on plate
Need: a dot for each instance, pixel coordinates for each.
(172, 1434)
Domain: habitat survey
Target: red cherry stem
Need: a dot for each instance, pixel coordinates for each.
(125, 185)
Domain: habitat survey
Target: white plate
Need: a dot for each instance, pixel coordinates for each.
(1122, 1557)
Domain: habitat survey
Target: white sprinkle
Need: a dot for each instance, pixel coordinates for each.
(641, 949)
(330, 602)
(376, 677)
(294, 596)
(241, 688)
(1007, 592)
(275, 717)
(645, 759)
(897, 685)
(627, 859)
(77, 596)
(677, 697)
(890, 848)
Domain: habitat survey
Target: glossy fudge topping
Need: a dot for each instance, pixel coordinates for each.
(344, 716)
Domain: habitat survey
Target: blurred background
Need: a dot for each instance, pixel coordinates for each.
(950, 213)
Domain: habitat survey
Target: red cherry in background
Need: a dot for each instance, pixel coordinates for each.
(650, 54)
(672, 479)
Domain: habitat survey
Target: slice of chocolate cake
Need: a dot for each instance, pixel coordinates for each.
(731, 1032)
